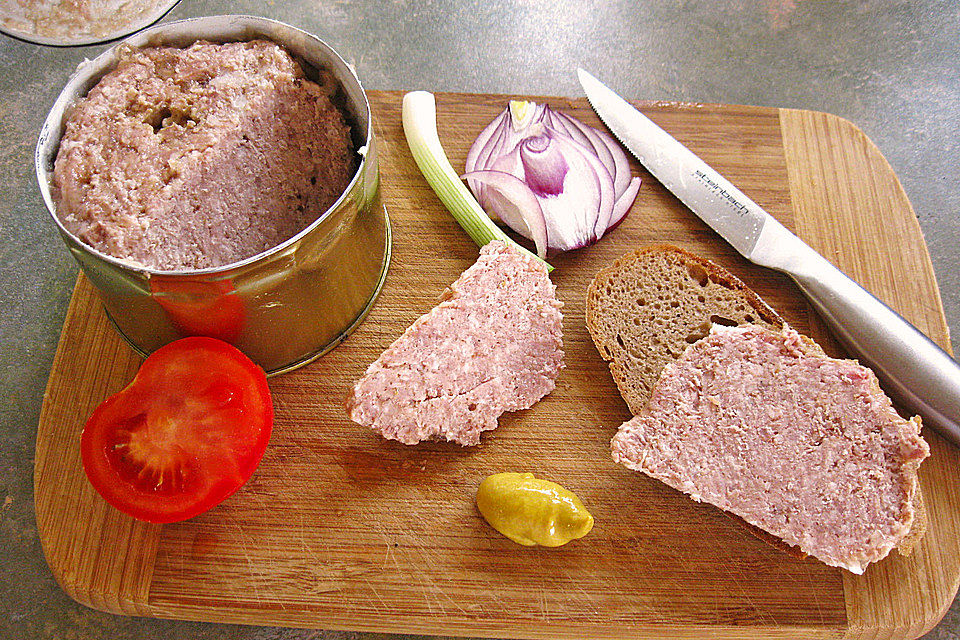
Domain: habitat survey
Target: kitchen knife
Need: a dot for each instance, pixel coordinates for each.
(912, 367)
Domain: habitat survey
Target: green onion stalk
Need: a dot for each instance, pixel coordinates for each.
(420, 129)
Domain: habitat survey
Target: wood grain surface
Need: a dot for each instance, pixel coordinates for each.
(340, 529)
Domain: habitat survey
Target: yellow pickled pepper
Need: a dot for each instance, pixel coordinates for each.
(531, 511)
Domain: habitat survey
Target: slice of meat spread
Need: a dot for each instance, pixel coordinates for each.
(492, 345)
(763, 424)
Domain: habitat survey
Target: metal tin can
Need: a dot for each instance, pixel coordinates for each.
(283, 307)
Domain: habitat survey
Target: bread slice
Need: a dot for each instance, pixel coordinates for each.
(646, 309)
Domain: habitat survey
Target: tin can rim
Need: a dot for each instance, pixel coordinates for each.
(89, 72)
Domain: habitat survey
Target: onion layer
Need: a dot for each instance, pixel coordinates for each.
(549, 177)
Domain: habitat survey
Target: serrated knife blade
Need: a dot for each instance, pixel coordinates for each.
(912, 368)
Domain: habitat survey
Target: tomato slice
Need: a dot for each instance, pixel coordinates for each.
(184, 435)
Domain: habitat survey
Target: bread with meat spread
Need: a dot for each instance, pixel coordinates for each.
(661, 316)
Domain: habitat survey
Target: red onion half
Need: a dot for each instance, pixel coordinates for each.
(549, 177)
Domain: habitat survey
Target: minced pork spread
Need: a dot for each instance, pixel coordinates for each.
(764, 425)
(493, 344)
(199, 157)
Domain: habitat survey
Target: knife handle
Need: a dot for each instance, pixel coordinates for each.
(914, 369)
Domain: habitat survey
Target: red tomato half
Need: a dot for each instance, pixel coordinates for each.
(185, 434)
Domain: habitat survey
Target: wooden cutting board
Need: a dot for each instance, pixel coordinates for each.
(340, 529)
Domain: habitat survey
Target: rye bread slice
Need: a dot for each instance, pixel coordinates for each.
(645, 309)
(650, 305)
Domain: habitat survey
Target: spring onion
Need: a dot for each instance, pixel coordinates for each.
(420, 128)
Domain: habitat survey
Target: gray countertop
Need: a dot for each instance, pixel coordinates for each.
(890, 66)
